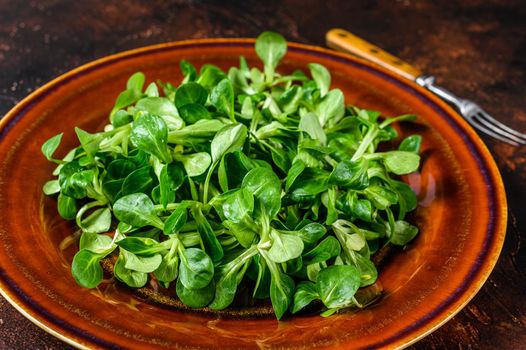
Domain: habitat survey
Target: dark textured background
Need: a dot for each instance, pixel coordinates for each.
(476, 48)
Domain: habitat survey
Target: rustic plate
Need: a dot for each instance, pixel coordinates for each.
(461, 214)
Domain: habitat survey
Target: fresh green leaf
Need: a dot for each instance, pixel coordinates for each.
(188, 70)
(407, 200)
(225, 292)
(306, 292)
(192, 113)
(309, 183)
(134, 279)
(360, 208)
(161, 107)
(190, 93)
(141, 245)
(196, 269)
(242, 231)
(238, 205)
(270, 48)
(152, 90)
(400, 162)
(170, 179)
(327, 249)
(86, 268)
(202, 131)
(168, 270)
(284, 247)
(210, 76)
(381, 197)
(89, 142)
(229, 139)
(368, 272)
(120, 168)
(137, 210)
(195, 298)
(311, 233)
(350, 174)
(145, 264)
(67, 207)
(50, 146)
(411, 144)
(195, 164)
(150, 134)
(403, 233)
(296, 169)
(331, 108)
(97, 222)
(96, 243)
(311, 125)
(176, 220)
(321, 76)
(51, 187)
(136, 82)
(212, 246)
(121, 118)
(222, 98)
(138, 181)
(262, 287)
(222, 176)
(125, 99)
(281, 293)
(337, 285)
(266, 188)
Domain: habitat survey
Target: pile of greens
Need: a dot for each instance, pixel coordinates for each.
(245, 176)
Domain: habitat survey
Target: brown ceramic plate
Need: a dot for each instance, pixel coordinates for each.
(461, 215)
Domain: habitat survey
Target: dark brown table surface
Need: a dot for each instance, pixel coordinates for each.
(477, 49)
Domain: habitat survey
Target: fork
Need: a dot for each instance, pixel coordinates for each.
(342, 40)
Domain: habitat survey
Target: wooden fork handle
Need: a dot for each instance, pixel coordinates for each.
(344, 41)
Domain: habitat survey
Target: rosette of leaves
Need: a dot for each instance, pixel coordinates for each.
(244, 176)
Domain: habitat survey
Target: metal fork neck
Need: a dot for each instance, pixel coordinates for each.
(428, 81)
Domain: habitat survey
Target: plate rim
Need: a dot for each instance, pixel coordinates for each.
(493, 177)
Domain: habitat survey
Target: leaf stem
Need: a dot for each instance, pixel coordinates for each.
(207, 181)
(86, 207)
(366, 141)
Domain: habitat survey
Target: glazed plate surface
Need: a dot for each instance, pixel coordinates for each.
(461, 215)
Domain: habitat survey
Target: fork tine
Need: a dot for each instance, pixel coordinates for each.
(474, 114)
(496, 129)
(489, 118)
(476, 122)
